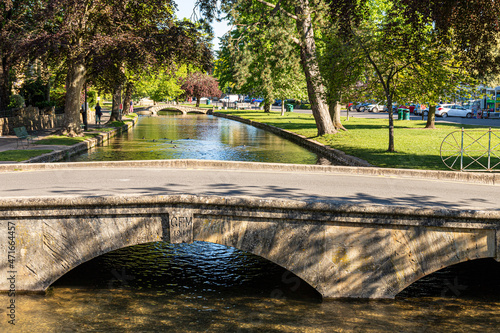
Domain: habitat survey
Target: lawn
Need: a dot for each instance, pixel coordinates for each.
(61, 140)
(21, 155)
(368, 139)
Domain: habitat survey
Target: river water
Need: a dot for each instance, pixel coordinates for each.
(200, 137)
(203, 287)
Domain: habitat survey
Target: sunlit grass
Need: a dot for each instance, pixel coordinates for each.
(61, 140)
(21, 155)
(368, 139)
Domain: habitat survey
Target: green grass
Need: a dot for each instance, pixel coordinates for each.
(21, 155)
(61, 140)
(368, 139)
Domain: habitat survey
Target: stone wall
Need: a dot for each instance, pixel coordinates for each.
(357, 251)
(332, 154)
(31, 118)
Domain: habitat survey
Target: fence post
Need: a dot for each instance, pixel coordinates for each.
(489, 149)
(462, 152)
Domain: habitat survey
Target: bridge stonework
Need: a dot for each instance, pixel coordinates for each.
(184, 109)
(341, 250)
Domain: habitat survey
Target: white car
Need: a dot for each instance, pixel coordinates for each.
(458, 111)
(442, 109)
(376, 107)
(452, 110)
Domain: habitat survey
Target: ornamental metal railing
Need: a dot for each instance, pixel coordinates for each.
(472, 150)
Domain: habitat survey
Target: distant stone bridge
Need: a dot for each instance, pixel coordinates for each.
(153, 110)
(342, 250)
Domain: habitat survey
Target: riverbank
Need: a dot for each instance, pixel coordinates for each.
(49, 148)
(366, 139)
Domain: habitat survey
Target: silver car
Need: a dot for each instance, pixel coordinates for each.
(442, 109)
(458, 111)
(376, 107)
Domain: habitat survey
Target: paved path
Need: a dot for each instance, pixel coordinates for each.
(306, 186)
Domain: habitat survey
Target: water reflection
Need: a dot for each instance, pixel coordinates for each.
(189, 269)
(200, 137)
(159, 287)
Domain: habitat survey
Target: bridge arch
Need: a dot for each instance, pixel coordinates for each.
(340, 250)
(282, 283)
(469, 277)
(181, 108)
(169, 109)
(67, 248)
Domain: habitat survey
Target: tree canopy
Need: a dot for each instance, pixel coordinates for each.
(199, 85)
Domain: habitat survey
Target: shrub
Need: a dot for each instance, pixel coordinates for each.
(16, 101)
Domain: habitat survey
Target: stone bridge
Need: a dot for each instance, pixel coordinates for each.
(153, 110)
(341, 249)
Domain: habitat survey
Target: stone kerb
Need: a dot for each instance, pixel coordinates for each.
(67, 152)
(478, 178)
(330, 153)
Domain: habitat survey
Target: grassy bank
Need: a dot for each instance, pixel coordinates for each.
(60, 140)
(21, 155)
(416, 147)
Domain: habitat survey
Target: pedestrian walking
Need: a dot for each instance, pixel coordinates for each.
(98, 114)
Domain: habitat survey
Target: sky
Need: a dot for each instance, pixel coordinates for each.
(186, 10)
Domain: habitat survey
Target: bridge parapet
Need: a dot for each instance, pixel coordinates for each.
(341, 250)
(153, 110)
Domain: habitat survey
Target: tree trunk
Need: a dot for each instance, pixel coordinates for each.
(117, 100)
(334, 109)
(282, 107)
(431, 117)
(127, 98)
(198, 97)
(74, 85)
(315, 88)
(391, 124)
(267, 107)
(5, 84)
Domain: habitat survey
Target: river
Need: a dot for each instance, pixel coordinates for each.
(200, 137)
(204, 287)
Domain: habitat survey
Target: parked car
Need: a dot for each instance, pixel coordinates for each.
(443, 109)
(458, 111)
(376, 107)
(420, 110)
(351, 106)
(361, 107)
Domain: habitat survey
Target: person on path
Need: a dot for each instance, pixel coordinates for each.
(98, 114)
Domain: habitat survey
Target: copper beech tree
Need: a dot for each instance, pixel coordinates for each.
(102, 39)
(200, 85)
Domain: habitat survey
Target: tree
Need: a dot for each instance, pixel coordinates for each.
(16, 24)
(200, 85)
(104, 38)
(162, 84)
(262, 64)
(290, 13)
(400, 59)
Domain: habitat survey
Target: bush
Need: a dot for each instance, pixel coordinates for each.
(34, 91)
(91, 98)
(16, 101)
(45, 104)
(58, 97)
